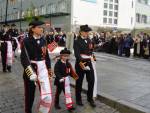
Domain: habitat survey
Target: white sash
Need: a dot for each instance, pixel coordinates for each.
(18, 44)
(45, 87)
(95, 78)
(9, 56)
(69, 101)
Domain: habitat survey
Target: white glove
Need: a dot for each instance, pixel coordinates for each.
(33, 77)
(19, 51)
(87, 68)
(61, 80)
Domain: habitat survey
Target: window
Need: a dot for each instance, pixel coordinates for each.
(144, 19)
(104, 20)
(116, 1)
(18, 14)
(105, 5)
(49, 8)
(43, 10)
(111, 0)
(131, 20)
(23, 14)
(116, 7)
(146, 1)
(62, 6)
(36, 12)
(115, 21)
(110, 6)
(115, 14)
(132, 4)
(138, 16)
(143, 1)
(110, 13)
(53, 8)
(110, 20)
(105, 12)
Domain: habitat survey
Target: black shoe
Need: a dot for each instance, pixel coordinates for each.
(4, 71)
(71, 109)
(79, 103)
(9, 69)
(92, 103)
(57, 107)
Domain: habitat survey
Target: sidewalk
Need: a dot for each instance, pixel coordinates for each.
(12, 95)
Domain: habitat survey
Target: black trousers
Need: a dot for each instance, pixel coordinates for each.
(127, 52)
(4, 55)
(90, 79)
(59, 89)
(29, 94)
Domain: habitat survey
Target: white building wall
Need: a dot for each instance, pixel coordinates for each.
(92, 14)
(84, 12)
(126, 14)
(143, 10)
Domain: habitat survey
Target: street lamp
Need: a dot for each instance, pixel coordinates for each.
(20, 15)
(6, 11)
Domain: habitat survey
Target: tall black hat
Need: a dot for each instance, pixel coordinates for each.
(5, 25)
(13, 25)
(85, 28)
(65, 51)
(36, 22)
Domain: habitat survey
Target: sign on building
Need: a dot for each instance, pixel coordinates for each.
(93, 1)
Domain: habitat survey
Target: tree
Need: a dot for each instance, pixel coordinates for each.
(30, 13)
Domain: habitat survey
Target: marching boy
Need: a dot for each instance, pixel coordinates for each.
(63, 69)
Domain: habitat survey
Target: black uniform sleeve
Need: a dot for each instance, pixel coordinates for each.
(77, 50)
(48, 60)
(57, 71)
(23, 56)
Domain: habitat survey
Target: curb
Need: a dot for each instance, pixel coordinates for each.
(120, 105)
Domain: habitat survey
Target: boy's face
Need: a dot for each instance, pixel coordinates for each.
(65, 57)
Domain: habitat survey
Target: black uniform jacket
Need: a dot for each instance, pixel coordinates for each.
(61, 70)
(5, 37)
(82, 46)
(34, 49)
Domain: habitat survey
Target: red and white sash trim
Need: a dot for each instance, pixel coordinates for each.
(44, 86)
(95, 78)
(9, 57)
(69, 102)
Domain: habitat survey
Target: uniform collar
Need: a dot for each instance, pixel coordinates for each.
(36, 38)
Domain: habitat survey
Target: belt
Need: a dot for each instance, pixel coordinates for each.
(84, 56)
(33, 61)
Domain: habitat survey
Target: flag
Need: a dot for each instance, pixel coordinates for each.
(52, 46)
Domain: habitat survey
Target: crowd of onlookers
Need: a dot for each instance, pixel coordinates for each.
(122, 44)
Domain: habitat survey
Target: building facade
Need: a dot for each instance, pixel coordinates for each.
(68, 15)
